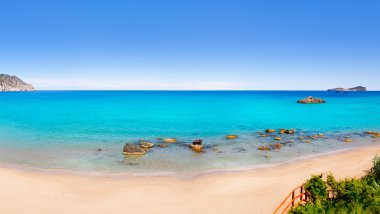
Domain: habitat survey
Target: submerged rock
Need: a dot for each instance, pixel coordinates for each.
(313, 136)
(169, 140)
(264, 148)
(277, 138)
(270, 130)
(239, 149)
(277, 146)
(133, 149)
(163, 145)
(347, 140)
(230, 137)
(131, 160)
(311, 100)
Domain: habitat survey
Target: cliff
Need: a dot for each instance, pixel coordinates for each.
(13, 83)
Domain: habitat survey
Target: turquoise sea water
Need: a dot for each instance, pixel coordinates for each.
(63, 130)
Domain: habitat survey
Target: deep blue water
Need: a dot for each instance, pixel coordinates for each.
(62, 129)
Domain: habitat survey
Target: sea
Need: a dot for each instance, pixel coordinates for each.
(85, 131)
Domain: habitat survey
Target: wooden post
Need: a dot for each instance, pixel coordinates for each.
(293, 198)
(301, 192)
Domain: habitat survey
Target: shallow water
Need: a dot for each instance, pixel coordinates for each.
(62, 130)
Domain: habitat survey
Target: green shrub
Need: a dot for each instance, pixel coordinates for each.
(346, 196)
(317, 188)
(375, 170)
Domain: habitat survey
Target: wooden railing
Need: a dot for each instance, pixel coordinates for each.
(295, 197)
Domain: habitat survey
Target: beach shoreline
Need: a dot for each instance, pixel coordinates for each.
(181, 175)
(246, 191)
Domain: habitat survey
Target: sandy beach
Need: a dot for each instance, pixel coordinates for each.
(250, 191)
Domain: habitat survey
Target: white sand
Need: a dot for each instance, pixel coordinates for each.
(252, 191)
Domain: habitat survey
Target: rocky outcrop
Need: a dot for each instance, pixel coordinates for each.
(13, 83)
(358, 88)
(133, 149)
(311, 100)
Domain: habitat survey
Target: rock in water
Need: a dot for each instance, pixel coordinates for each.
(287, 131)
(170, 140)
(13, 83)
(146, 144)
(197, 142)
(371, 132)
(133, 149)
(374, 134)
(264, 148)
(290, 131)
(197, 146)
(163, 145)
(231, 137)
(277, 146)
(311, 100)
(348, 140)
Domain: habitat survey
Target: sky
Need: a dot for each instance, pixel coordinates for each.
(191, 44)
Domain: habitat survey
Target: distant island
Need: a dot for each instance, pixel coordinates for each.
(13, 83)
(358, 88)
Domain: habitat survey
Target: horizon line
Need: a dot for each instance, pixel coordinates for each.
(192, 90)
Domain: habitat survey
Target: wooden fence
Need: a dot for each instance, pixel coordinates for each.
(295, 197)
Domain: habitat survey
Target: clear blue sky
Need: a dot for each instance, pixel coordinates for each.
(197, 44)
